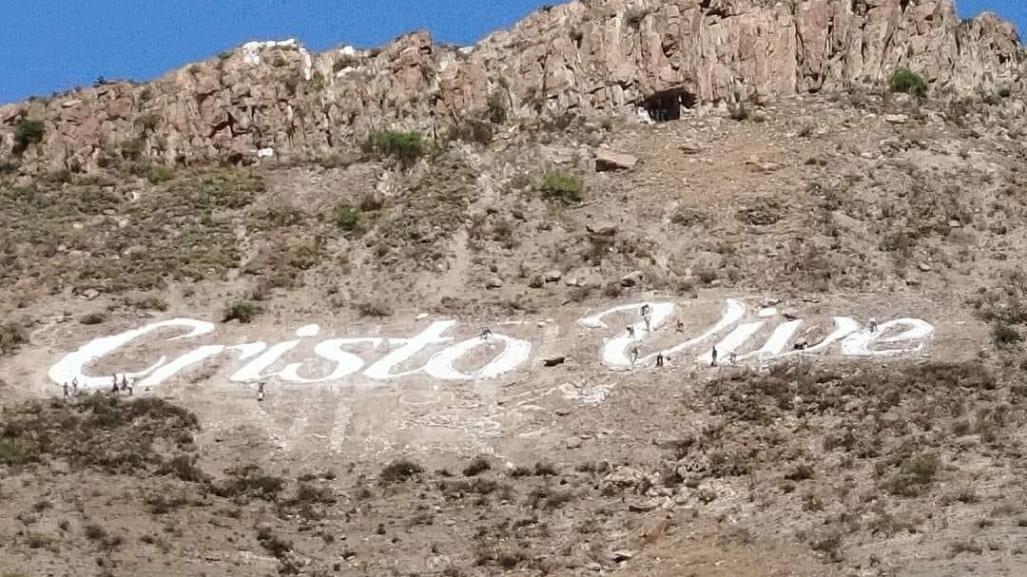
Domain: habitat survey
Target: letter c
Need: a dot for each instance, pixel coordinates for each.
(73, 365)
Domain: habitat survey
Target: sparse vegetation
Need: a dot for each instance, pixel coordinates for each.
(12, 337)
(35, 431)
(347, 218)
(159, 174)
(1004, 335)
(249, 482)
(241, 310)
(94, 318)
(399, 471)
(405, 147)
(375, 309)
(472, 129)
(915, 475)
(182, 231)
(562, 186)
(496, 108)
(345, 61)
(905, 81)
(479, 465)
(276, 546)
(27, 132)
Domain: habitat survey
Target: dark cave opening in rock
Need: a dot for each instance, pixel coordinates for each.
(667, 105)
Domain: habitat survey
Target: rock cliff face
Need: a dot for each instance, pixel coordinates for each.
(590, 58)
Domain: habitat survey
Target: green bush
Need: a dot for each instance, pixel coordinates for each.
(906, 81)
(26, 133)
(242, 311)
(915, 475)
(562, 186)
(159, 174)
(403, 146)
(347, 217)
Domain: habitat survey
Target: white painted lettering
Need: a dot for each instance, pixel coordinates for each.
(72, 367)
(515, 352)
(382, 370)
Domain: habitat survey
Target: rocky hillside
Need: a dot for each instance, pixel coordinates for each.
(833, 163)
(586, 58)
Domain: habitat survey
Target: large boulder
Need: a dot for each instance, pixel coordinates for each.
(606, 161)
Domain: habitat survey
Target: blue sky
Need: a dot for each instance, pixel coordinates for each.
(50, 45)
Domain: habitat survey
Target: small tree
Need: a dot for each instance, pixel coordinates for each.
(906, 81)
(562, 186)
(242, 311)
(403, 146)
(347, 217)
(26, 133)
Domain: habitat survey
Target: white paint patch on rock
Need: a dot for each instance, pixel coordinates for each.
(844, 327)
(732, 341)
(251, 53)
(777, 342)
(615, 351)
(515, 352)
(734, 311)
(586, 396)
(911, 340)
(308, 64)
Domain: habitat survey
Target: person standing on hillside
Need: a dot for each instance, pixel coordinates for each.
(260, 391)
(714, 363)
(647, 316)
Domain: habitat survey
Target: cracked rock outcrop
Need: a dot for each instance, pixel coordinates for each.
(587, 58)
